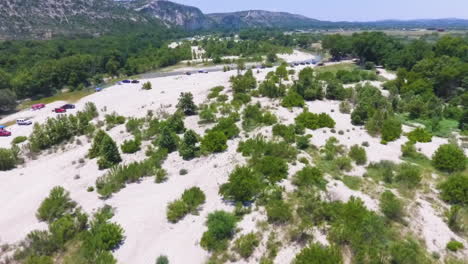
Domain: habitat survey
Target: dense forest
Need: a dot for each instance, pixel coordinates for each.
(40, 68)
(432, 81)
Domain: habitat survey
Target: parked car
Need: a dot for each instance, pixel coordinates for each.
(37, 106)
(126, 81)
(98, 89)
(68, 106)
(135, 81)
(4, 133)
(23, 122)
(59, 110)
(188, 73)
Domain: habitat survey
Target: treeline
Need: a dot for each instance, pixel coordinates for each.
(40, 68)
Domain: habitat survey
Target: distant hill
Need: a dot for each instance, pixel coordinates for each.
(47, 18)
(39, 18)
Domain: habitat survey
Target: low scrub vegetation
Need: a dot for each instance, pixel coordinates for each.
(190, 201)
(221, 227)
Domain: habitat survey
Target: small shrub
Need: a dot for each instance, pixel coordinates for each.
(391, 206)
(302, 142)
(183, 172)
(309, 177)
(243, 185)
(345, 107)
(160, 175)
(18, 140)
(454, 245)
(274, 169)
(315, 121)
(365, 144)
(9, 158)
(293, 99)
(455, 189)
(221, 226)
(420, 135)
(147, 86)
(90, 189)
(449, 158)
(318, 254)
(214, 142)
(176, 210)
(131, 146)
(288, 133)
(358, 154)
(246, 244)
(56, 205)
(162, 260)
(409, 174)
(278, 212)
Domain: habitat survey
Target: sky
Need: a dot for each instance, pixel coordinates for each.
(344, 10)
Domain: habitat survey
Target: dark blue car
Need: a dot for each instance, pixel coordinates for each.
(126, 81)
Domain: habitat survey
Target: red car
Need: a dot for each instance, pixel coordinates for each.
(37, 106)
(59, 110)
(4, 133)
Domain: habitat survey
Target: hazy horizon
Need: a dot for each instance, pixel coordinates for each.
(343, 10)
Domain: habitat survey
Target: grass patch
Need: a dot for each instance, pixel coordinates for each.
(9, 123)
(444, 128)
(336, 67)
(352, 182)
(69, 97)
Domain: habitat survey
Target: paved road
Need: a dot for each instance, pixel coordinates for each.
(216, 68)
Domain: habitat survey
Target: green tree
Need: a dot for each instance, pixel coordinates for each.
(449, 158)
(391, 129)
(168, 139)
(186, 104)
(188, 148)
(243, 185)
(109, 153)
(7, 100)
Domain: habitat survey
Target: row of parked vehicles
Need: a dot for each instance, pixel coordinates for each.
(130, 81)
(27, 122)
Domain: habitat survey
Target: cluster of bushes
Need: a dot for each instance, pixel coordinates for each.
(391, 206)
(292, 99)
(190, 201)
(215, 139)
(94, 240)
(106, 149)
(406, 174)
(118, 176)
(244, 185)
(253, 116)
(215, 92)
(9, 158)
(258, 147)
(113, 120)
(242, 85)
(62, 128)
(270, 89)
(314, 121)
(131, 146)
(221, 227)
(167, 131)
(288, 133)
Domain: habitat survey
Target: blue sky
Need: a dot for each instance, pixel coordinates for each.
(349, 10)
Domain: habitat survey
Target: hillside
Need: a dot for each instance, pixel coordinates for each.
(41, 19)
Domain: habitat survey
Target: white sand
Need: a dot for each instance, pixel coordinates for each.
(141, 207)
